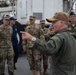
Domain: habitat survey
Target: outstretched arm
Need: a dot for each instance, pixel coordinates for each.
(51, 47)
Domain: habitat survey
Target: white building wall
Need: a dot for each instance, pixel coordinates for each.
(25, 8)
(29, 9)
(52, 6)
(37, 5)
(21, 11)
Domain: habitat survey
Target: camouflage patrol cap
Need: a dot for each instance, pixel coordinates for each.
(59, 16)
(42, 21)
(32, 17)
(6, 17)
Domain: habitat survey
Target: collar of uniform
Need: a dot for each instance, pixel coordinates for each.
(63, 30)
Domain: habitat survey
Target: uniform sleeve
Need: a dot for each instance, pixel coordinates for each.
(51, 47)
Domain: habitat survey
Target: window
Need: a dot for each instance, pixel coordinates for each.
(38, 16)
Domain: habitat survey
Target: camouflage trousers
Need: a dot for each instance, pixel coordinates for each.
(34, 59)
(45, 61)
(6, 53)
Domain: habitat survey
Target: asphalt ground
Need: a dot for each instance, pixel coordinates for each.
(22, 66)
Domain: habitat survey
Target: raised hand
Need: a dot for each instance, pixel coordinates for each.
(26, 35)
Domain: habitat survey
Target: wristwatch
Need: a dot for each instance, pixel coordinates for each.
(33, 39)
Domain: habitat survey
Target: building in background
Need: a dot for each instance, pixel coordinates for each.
(41, 9)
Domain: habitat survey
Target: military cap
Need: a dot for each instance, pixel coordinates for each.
(6, 17)
(42, 21)
(59, 16)
(72, 13)
(32, 17)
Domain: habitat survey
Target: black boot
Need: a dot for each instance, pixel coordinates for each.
(45, 72)
(15, 67)
(11, 73)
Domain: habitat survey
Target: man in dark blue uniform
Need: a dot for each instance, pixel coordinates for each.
(15, 40)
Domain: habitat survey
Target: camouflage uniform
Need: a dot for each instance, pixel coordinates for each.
(6, 50)
(45, 57)
(33, 55)
(51, 32)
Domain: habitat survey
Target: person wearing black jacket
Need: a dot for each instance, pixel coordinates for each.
(15, 40)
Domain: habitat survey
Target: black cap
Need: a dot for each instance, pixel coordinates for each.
(12, 18)
(72, 13)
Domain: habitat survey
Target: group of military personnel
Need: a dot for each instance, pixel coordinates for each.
(34, 57)
(40, 31)
(61, 47)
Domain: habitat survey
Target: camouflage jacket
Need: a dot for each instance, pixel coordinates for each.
(46, 32)
(5, 36)
(36, 31)
(51, 32)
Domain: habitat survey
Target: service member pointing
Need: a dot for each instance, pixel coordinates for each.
(61, 47)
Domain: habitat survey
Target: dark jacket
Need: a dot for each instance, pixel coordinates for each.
(62, 48)
(14, 35)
